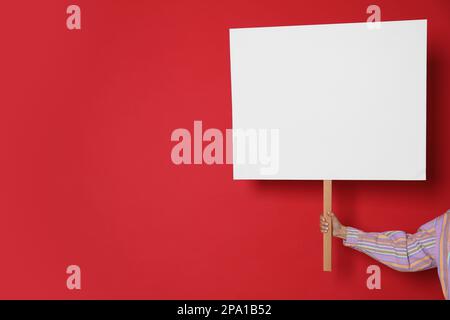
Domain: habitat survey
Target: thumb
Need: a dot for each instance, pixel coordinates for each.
(334, 220)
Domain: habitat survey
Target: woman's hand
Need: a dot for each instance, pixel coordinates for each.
(338, 229)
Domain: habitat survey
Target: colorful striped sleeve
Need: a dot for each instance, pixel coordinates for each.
(397, 249)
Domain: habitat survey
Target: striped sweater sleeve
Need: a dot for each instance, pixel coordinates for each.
(397, 249)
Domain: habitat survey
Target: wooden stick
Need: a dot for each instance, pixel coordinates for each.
(327, 237)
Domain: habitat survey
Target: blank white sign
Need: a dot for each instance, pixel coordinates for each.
(348, 101)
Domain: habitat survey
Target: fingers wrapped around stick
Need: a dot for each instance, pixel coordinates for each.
(323, 224)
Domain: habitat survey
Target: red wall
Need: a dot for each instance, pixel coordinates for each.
(87, 179)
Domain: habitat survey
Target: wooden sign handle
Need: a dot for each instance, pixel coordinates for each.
(327, 237)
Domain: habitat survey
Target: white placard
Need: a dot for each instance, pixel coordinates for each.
(330, 102)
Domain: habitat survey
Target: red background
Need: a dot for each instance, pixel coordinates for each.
(86, 176)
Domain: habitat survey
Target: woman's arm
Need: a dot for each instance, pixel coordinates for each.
(396, 249)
